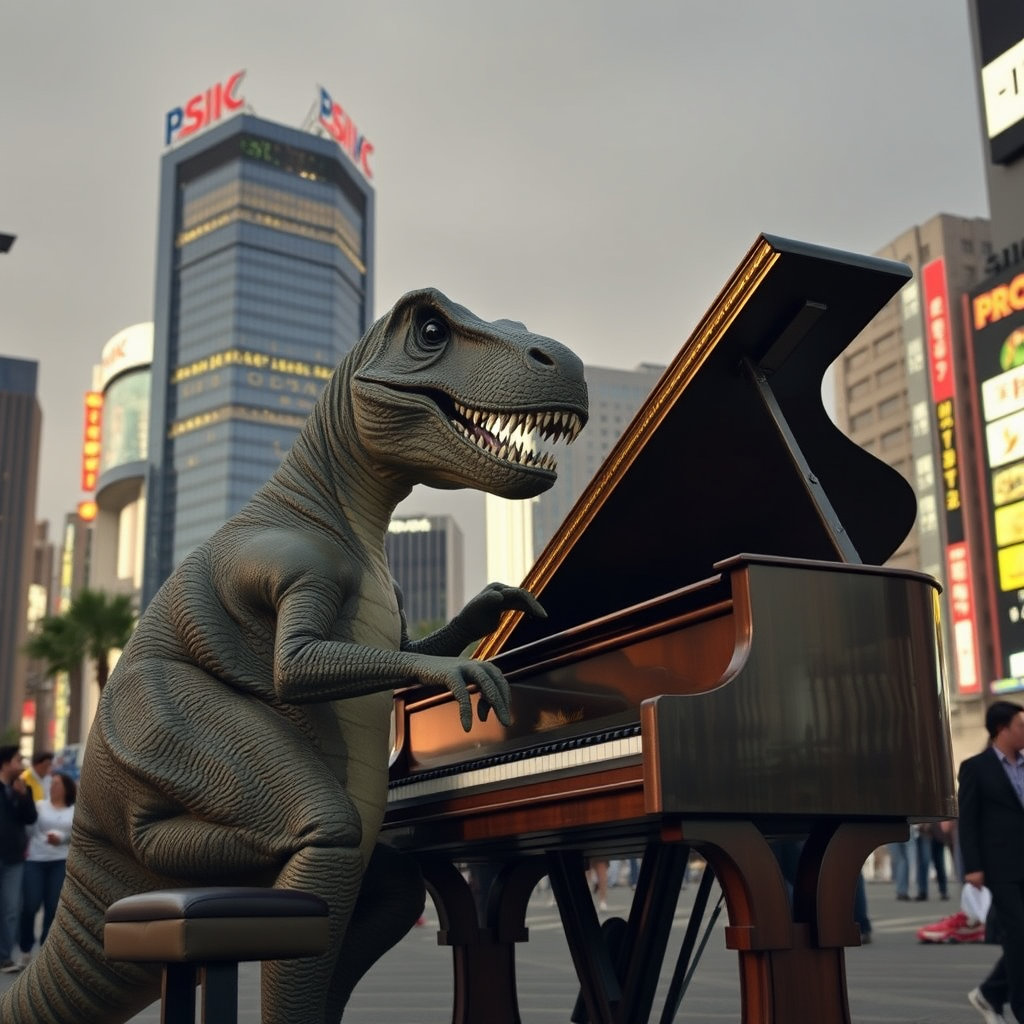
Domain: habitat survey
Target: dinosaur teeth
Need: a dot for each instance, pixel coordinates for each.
(509, 435)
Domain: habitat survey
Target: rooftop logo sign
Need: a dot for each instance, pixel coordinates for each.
(342, 129)
(203, 109)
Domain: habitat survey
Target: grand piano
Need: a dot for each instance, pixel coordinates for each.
(725, 664)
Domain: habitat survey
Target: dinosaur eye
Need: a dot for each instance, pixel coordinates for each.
(434, 332)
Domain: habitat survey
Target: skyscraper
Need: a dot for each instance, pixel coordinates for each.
(615, 396)
(20, 428)
(425, 556)
(264, 281)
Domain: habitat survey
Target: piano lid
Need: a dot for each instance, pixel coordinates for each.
(732, 451)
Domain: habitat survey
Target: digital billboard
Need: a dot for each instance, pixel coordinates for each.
(938, 327)
(996, 323)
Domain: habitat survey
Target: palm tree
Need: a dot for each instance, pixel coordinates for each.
(58, 643)
(93, 625)
(105, 622)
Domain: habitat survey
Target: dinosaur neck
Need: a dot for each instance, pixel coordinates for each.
(329, 481)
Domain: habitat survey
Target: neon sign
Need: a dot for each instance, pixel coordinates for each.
(343, 130)
(203, 109)
(92, 439)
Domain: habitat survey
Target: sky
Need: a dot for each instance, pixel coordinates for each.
(594, 169)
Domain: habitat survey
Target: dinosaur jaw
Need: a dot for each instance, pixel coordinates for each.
(430, 438)
(512, 436)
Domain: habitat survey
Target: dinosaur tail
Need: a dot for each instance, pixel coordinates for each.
(71, 979)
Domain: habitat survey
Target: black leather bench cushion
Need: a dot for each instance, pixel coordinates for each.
(211, 924)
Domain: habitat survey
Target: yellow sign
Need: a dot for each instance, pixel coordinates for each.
(1010, 524)
(1011, 567)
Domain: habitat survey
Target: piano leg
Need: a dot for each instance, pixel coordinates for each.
(619, 963)
(791, 962)
(483, 954)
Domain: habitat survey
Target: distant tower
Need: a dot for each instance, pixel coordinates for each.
(615, 396)
(20, 428)
(425, 555)
(264, 282)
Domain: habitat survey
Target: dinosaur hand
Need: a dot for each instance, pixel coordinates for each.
(483, 612)
(458, 674)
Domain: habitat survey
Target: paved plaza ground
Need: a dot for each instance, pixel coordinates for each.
(895, 980)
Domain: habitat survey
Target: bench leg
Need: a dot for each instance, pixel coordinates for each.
(219, 993)
(178, 994)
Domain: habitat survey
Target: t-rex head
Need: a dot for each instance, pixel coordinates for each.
(446, 399)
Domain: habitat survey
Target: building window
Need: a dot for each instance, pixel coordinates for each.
(887, 374)
(924, 471)
(967, 245)
(927, 515)
(859, 390)
(862, 420)
(890, 406)
(892, 439)
(926, 252)
(855, 360)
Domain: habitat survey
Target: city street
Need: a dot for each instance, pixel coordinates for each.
(895, 980)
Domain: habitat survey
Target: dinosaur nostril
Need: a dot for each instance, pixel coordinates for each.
(540, 356)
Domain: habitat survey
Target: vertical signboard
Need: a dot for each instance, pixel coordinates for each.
(996, 315)
(959, 585)
(92, 439)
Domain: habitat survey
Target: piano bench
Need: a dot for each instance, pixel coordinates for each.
(209, 930)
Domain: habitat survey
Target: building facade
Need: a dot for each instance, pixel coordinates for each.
(903, 392)
(615, 396)
(124, 381)
(425, 554)
(20, 431)
(264, 282)
(997, 45)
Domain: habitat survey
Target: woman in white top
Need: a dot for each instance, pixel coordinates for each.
(47, 853)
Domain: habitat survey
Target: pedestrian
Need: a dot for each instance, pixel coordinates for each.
(598, 872)
(17, 810)
(46, 860)
(991, 797)
(37, 775)
(931, 852)
(899, 856)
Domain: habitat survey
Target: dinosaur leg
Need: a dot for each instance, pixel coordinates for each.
(285, 820)
(391, 899)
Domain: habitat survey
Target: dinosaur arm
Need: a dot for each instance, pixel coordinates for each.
(310, 668)
(479, 618)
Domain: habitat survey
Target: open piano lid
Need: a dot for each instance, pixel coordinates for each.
(732, 451)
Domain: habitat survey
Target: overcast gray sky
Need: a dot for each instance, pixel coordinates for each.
(594, 169)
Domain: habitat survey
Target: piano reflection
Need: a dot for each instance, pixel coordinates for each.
(725, 662)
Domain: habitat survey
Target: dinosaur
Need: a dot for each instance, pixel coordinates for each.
(243, 735)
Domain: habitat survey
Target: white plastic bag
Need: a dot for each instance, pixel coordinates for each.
(974, 902)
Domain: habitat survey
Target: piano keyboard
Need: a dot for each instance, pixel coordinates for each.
(569, 756)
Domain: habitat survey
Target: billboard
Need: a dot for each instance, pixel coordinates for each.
(995, 315)
(1001, 44)
(960, 596)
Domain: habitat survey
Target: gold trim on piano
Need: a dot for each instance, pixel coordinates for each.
(731, 300)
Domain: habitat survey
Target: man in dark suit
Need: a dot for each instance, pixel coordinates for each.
(992, 846)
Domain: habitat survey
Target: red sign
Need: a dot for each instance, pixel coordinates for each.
(203, 109)
(961, 609)
(343, 130)
(91, 439)
(937, 329)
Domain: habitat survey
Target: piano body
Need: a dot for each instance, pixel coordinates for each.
(724, 663)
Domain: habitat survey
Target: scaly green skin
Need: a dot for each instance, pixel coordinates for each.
(243, 737)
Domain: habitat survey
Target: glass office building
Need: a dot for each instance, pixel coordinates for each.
(264, 282)
(425, 554)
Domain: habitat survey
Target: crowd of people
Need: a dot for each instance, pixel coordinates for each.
(37, 807)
